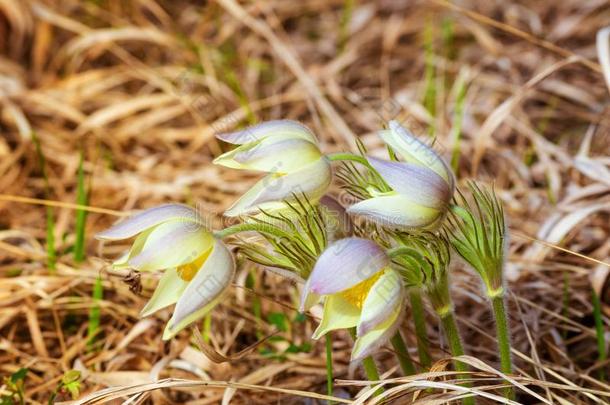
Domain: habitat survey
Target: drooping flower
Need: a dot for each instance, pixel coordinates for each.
(288, 151)
(196, 267)
(420, 188)
(360, 290)
(419, 196)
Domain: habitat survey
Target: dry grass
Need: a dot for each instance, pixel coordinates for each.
(140, 87)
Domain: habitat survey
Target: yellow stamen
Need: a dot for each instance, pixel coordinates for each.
(187, 271)
(357, 294)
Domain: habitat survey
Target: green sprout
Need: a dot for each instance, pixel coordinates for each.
(477, 230)
(14, 384)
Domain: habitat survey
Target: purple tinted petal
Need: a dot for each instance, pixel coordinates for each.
(346, 263)
(417, 183)
(147, 219)
(172, 244)
(395, 211)
(265, 129)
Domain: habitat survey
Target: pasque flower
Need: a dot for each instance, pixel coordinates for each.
(479, 235)
(196, 267)
(288, 151)
(421, 187)
(360, 290)
(419, 197)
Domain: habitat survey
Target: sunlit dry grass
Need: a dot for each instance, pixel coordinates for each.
(141, 87)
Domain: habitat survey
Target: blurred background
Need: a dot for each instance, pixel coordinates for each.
(114, 104)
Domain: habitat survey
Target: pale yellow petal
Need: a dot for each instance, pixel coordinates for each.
(274, 156)
(384, 297)
(338, 314)
(134, 250)
(203, 292)
(312, 180)
(172, 330)
(366, 344)
(168, 291)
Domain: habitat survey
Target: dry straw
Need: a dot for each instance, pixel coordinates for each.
(141, 88)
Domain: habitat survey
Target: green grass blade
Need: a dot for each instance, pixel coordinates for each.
(448, 38)
(599, 332)
(430, 91)
(329, 366)
(458, 115)
(81, 215)
(95, 312)
(346, 17)
(50, 221)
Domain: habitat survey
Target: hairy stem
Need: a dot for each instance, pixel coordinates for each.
(455, 346)
(402, 353)
(346, 156)
(503, 336)
(248, 227)
(419, 319)
(329, 366)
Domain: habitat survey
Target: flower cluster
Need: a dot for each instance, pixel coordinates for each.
(291, 225)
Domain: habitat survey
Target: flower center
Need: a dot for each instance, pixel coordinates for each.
(187, 271)
(357, 294)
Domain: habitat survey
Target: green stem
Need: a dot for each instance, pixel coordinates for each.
(249, 227)
(369, 366)
(453, 337)
(502, 334)
(419, 319)
(406, 364)
(329, 366)
(503, 337)
(346, 156)
(455, 346)
(370, 369)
